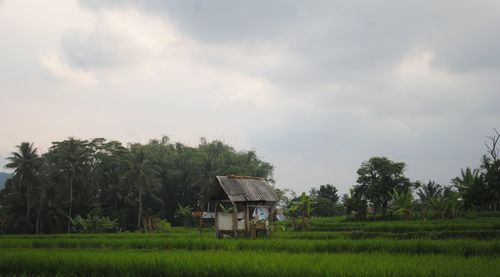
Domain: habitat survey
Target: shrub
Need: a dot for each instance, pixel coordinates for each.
(164, 226)
(94, 223)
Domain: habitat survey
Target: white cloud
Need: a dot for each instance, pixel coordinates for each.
(118, 38)
(60, 70)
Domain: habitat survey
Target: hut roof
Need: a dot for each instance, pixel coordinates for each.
(246, 188)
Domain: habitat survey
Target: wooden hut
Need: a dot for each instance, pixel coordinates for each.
(243, 205)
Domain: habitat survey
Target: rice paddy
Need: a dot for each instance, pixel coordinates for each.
(331, 247)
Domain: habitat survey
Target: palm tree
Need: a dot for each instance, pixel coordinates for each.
(26, 164)
(143, 173)
(428, 191)
(354, 204)
(452, 198)
(72, 156)
(402, 203)
(472, 188)
(439, 206)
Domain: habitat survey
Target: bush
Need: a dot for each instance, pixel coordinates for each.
(93, 223)
(164, 226)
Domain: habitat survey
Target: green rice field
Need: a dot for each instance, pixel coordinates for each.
(331, 247)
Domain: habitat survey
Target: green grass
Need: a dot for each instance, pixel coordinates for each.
(461, 247)
(432, 235)
(195, 263)
(327, 224)
(450, 247)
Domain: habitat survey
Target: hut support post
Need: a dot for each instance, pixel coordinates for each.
(216, 220)
(247, 220)
(235, 218)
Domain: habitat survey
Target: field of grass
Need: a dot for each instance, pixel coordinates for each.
(230, 263)
(331, 247)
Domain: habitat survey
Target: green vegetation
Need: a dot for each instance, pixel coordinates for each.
(449, 247)
(195, 263)
(3, 178)
(137, 185)
(116, 203)
(459, 247)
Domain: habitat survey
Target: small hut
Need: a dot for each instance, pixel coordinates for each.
(243, 205)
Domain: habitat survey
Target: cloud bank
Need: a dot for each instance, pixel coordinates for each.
(316, 87)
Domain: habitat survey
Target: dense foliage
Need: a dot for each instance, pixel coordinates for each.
(3, 178)
(137, 185)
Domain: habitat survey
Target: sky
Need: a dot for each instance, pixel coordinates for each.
(315, 87)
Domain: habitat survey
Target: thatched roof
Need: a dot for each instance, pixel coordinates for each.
(246, 188)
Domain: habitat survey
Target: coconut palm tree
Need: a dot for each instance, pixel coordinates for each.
(428, 191)
(26, 165)
(72, 155)
(451, 196)
(143, 174)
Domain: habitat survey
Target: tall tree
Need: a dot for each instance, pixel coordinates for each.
(72, 156)
(143, 173)
(491, 167)
(26, 164)
(130, 184)
(325, 199)
(378, 178)
(329, 192)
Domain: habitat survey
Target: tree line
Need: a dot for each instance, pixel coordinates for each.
(125, 186)
(105, 185)
(383, 191)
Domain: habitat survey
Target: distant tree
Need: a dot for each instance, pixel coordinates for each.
(72, 157)
(451, 196)
(285, 197)
(313, 192)
(402, 203)
(325, 200)
(138, 185)
(491, 167)
(378, 178)
(13, 209)
(26, 165)
(302, 206)
(323, 207)
(143, 172)
(473, 189)
(492, 145)
(354, 204)
(3, 178)
(329, 192)
(428, 191)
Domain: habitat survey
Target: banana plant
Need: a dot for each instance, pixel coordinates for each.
(303, 206)
(183, 212)
(226, 210)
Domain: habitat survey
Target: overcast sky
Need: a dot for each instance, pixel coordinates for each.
(316, 87)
